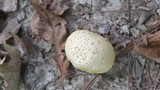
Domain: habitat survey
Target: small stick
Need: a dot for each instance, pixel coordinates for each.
(151, 30)
(157, 82)
(90, 83)
(130, 67)
(129, 10)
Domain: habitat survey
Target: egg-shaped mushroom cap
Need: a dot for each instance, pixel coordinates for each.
(89, 52)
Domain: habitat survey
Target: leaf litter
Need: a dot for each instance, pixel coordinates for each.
(48, 26)
(27, 48)
(150, 46)
(49, 35)
(57, 7)
(51, 28)
(12, 27)
(11, 69)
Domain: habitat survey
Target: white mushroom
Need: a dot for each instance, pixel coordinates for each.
(89, 52)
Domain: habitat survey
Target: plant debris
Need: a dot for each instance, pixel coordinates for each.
(7, 6)
(12, 27)
(52, 28)
(39, 28)
(27, 48)
(153, 28)
(149, 46)
(57, 7)
(10, 70)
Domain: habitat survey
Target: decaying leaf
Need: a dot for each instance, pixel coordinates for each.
(27, 49)
(55, 6)
(51, 28)
(151, 29)
(10, 71)
(149, 46)
(12, 27)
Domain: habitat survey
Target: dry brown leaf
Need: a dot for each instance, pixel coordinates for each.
(151, 29)
(55, 6)
(12, 27)
(51, 28)
(149, 46)
(46, 3)
(27, 49)
(10, 70)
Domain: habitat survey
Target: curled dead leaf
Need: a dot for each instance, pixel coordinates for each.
(150, 46)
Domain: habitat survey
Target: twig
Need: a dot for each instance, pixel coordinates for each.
(91, 12)
(150, 79)
(151, 30)
(129, 10)
(157, 81)
(133, 10)
(149, 74)
(90, 83)
(130, 81)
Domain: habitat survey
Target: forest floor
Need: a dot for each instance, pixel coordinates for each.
(39, 28)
